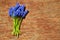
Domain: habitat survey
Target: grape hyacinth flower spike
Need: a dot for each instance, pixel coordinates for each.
(18, 13)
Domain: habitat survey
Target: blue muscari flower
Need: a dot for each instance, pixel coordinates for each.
(24, 13)
(11, 11)
(22, 7)
(18, 10)
(17, 6)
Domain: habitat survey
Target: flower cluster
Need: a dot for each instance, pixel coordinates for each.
(18, 11)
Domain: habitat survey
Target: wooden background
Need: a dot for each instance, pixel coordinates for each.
(41, 23)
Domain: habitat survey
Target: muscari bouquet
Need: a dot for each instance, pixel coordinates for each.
(18, 13)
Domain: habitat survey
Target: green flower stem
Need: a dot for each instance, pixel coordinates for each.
(17, 24)
(14, 24)
(19, 21)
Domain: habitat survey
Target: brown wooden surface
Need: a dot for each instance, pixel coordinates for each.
(41, 23)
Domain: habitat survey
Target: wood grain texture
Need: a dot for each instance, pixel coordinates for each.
(41, 23)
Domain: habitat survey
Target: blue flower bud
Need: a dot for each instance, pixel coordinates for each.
(22, 7)
(24, 14)
(18, 13)
(11, 11)
(17, 6)
(14, 14)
